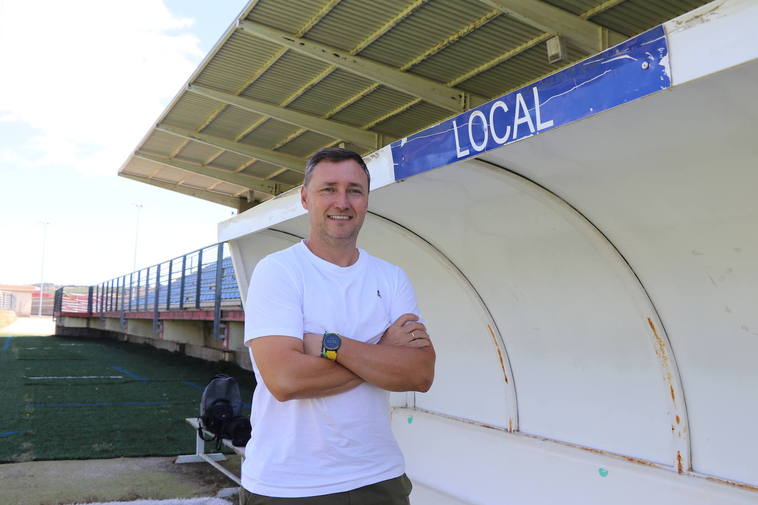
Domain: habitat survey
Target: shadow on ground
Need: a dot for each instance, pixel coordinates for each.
(121, 479)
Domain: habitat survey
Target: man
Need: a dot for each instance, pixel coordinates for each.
(332, 330)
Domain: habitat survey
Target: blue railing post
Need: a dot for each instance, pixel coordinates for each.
(131, 291)
(168, 284)
(117, 293)
(139, 280)
(147, 286)
(122, 305)
(181, 286)
(217, 297)
(109, 291)
(157, 297)
(199, 276)
(89, 300)
(57, 302)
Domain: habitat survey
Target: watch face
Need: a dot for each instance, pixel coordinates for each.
(332, 341)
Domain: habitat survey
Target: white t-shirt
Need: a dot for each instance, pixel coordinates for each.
(335, 443)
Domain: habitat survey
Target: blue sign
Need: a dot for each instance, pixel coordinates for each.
(623, 73)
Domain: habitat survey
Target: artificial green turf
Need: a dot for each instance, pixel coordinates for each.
(139, 414)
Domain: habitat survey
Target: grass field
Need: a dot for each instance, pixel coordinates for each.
(71, 398)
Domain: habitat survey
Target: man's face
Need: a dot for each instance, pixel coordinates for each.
(336, 199)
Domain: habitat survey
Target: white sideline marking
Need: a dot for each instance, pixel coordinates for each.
(79, 377)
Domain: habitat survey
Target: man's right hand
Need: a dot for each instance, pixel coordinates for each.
(406, 331)
(403, 359)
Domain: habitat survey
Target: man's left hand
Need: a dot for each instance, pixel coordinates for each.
(406, 331)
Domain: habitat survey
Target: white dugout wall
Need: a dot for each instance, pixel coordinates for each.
(591, 288)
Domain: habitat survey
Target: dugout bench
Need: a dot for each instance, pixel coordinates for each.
(210, 458)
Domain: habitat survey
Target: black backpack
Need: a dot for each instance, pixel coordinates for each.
(220, 408)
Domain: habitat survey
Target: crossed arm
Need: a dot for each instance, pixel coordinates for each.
(403, 360)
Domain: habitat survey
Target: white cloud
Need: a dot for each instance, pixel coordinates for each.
(82, 81)
(89, 76)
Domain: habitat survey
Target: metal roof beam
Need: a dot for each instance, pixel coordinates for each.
(431, 91)
(281, 159)
(326, 127)
(269, 187)
(229, 201)
(587, 35)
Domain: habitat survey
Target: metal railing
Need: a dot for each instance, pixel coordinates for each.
(200, 280)
(72, 299)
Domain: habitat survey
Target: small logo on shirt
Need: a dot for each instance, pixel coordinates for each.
(378, 293)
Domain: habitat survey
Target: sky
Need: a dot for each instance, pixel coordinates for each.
(81, 82)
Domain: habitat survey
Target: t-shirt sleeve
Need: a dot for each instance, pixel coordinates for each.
(274, 302)
(404, 301)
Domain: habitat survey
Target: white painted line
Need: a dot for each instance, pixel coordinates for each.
(79, 377)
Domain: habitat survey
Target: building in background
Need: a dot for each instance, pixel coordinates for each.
(18, 299)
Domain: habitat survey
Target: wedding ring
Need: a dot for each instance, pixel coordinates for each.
(413, 335)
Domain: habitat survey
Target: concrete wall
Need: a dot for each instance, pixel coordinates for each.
(73, 322)
(192, 338)
(22, 300)
(23, 304)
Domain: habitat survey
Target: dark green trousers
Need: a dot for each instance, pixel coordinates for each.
(388, 492)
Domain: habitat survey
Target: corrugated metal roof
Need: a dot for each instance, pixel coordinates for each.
(238, 155)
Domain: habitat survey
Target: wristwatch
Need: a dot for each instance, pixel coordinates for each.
(330, 344)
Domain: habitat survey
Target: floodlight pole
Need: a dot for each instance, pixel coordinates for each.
(42, 268)
(136, 236)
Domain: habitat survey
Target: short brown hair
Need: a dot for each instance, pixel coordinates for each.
(334, 154)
